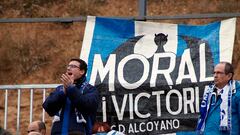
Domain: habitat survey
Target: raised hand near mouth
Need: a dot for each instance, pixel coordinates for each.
(67, 79)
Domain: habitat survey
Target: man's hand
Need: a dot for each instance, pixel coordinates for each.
(67, 80)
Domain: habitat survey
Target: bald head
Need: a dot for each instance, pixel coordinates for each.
(37, 126)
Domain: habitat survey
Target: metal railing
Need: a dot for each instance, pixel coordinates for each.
(19, 89)
(142, 16)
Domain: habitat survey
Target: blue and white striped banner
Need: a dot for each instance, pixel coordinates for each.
(151, 76)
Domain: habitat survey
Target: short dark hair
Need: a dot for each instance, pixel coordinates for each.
(228, 68)
(4, 132)
(98, 125)
(82, 65)
(41, 125)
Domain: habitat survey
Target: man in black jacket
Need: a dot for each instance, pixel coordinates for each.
(73, 104)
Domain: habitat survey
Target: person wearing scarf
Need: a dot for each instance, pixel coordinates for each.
(74, 104)
(220, 106)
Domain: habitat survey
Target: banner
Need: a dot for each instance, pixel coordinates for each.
(151, 76)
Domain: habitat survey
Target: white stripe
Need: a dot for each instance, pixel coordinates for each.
(227, 34)
(169, 134)
(87, 40)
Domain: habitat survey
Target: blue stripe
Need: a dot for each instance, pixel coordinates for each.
(66, 117)
(209, 33)
(107, 36)
(89, 125)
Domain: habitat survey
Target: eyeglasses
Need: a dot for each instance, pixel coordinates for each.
(72, 66)
(219, 73)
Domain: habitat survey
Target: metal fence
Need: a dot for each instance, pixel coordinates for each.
(20, 88)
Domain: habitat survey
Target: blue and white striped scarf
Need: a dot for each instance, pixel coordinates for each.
(225, 107)
(79, 116)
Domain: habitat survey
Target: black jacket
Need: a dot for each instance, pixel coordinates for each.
(75, 110)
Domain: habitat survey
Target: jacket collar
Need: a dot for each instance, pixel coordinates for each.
(80, 81)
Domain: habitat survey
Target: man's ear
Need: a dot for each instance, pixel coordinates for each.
(230, 75)
(82, 72)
